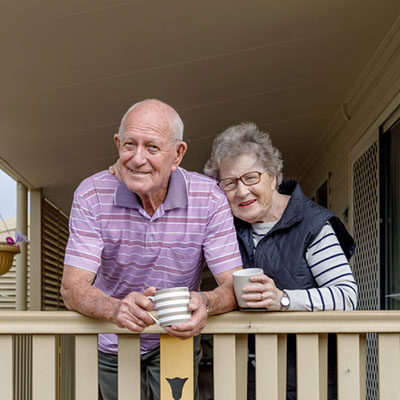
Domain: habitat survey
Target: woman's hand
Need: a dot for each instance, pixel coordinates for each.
(115, 169)
(264, 294)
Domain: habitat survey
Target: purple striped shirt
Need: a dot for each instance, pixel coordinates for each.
(112, 236)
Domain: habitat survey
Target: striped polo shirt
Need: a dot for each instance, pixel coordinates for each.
(112, 236)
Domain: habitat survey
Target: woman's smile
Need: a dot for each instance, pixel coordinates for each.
(247, 203)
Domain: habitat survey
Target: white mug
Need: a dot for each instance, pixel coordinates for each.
(241, 278)
(171, 305)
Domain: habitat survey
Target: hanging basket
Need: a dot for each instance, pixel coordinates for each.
(7, 252)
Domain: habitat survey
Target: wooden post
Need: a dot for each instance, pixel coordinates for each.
(176, 368)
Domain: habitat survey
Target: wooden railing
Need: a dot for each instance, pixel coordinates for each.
(230, 353)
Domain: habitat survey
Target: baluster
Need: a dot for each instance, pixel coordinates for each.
(128, 367)
(351, 369)
(86, 370)
(6, 374)
(44, 367)
(389, 365)
(312, 383)
(224, 367)
(271, 366)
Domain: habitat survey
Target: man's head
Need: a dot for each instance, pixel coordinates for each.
(150, 147)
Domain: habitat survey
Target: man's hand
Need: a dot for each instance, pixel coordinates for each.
(132, 312)
(115, 169)
(196, 324)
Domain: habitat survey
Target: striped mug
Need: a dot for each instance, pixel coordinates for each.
(171, 305)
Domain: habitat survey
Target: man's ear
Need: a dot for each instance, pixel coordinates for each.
(180, 152)
(117, 141)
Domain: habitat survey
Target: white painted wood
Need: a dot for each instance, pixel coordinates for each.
(86, 379)
(44, 367)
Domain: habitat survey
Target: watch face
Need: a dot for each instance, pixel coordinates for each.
(284, 301)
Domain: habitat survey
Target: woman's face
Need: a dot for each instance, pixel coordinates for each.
(249, 203)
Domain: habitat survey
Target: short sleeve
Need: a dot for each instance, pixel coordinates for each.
(221, 248)
(85, 244)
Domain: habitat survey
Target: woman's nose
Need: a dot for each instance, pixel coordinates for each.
(241, 189)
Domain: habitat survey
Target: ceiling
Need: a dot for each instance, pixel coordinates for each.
(70, 69)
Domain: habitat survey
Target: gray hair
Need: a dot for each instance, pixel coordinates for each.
(241, 139)
(176, 123)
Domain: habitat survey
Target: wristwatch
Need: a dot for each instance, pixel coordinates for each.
(207, 301)
(285, 301)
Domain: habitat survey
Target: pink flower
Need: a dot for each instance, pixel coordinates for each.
(10, 240)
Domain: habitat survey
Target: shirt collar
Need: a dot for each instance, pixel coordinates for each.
(177, 195)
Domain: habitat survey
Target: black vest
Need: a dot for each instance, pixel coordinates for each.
(281, 254)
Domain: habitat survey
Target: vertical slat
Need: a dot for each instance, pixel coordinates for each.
(323, 365)
(44, 367)
(241, 366)
(176, 368)
(6, 372)
(28, 378)
(86, 380)
(271, 366)
(351, 366)
(224, 367)
(308, 364)
(128, 367)
(389, 365)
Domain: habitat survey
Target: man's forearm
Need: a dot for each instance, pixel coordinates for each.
(222, 299)
(92, 302)
(79, 295)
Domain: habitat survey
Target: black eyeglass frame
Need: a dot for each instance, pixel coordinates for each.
(235, 180)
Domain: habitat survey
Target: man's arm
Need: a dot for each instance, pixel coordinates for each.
(222, 299)
(80, 295)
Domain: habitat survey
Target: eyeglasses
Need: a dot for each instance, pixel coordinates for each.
(248, 179)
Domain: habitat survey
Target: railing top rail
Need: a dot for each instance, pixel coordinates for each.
(69, 322)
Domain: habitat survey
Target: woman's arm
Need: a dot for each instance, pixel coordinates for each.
(337, 289)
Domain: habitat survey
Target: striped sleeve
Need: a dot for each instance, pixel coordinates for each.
(220, 246)
(337, 288)
(85, 244)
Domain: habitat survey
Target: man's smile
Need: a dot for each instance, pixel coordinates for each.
(138, 172)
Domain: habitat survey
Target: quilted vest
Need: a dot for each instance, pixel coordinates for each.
(281, 254)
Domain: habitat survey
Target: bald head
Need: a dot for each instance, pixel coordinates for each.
(147, 108)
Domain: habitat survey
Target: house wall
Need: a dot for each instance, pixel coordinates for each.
(350, 146)
(8, 280)
(373, 98)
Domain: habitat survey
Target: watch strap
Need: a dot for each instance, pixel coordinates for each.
(207, 301)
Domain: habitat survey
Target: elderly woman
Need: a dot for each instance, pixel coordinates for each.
(302, 247)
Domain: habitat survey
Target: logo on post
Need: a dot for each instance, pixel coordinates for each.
(176, 386)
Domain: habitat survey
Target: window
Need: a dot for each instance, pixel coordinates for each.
(390, 216)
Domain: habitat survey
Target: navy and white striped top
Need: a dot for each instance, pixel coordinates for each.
(337, 288)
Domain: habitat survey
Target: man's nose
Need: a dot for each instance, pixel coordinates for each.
(138, 155)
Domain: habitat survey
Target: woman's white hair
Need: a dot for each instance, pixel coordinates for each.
(241, 139)
(176, 123)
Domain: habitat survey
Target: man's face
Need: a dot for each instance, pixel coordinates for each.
(148, 154)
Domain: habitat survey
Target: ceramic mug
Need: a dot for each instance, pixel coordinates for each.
(171, 306)
(241, 278)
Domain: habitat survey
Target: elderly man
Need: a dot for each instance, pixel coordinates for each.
(153, 230)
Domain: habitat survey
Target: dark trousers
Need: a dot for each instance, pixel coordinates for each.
(150, 373)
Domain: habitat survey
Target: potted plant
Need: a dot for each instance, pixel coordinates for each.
(9, 248)
(7, 252)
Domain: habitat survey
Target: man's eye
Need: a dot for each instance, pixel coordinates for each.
(153, 148)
